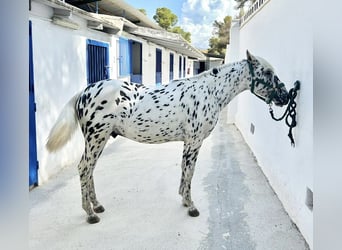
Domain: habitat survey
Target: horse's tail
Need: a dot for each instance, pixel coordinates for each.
(64, 127)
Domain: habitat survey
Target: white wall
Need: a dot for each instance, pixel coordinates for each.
(59, 56)
(281, 33)
(60, 71)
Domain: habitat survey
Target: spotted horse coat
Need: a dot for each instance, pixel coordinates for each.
(184, 110)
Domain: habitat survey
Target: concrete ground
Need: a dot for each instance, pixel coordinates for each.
(138, 186)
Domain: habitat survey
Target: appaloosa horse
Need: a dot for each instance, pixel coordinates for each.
(184, 110)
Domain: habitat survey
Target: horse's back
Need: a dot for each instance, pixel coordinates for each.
(96, 100)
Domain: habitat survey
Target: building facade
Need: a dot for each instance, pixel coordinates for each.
(72, 47)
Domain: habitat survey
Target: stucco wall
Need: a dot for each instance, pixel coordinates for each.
(59, 56)
(281, 33)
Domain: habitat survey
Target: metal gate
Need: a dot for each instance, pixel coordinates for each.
(97, 61)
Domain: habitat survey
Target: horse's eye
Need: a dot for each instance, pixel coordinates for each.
(268, 73)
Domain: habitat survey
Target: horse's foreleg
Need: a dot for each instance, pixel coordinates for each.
(190, 154)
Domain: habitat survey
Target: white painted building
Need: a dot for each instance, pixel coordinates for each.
(210, 61)
(72, 47)
(280, 32)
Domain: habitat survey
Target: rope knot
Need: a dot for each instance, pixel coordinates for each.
(290, 112)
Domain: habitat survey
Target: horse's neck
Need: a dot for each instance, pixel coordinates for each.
(232, 82)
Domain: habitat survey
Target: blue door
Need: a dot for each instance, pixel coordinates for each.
(125, 65)
(171, 66)
(158, 66)
(33, 163)
(97, 61)
(180, 67)
(184, 63)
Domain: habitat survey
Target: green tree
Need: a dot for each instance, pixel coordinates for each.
(184, 34)
(165, 18)
(221, 32)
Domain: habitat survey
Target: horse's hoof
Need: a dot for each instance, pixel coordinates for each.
(92, 219)
(99, 209)
(193, 212)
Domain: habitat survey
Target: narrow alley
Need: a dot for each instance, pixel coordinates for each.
(138, 186)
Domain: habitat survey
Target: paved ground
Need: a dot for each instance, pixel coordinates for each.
(138, 186)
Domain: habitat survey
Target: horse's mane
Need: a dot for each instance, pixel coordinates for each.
(207, 72)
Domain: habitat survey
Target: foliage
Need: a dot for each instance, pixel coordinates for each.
(184, 34)
(167, 20)
(221, 32)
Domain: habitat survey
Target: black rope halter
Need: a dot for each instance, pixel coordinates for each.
(290, 112)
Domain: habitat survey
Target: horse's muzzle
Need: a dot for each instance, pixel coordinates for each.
(282, 99)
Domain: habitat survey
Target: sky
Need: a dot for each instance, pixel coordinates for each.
(194, 16)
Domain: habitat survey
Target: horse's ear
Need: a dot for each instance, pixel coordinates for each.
(250, 57)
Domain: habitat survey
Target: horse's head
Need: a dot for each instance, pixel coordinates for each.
(265, 84)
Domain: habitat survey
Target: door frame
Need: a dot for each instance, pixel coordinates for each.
(33, 161)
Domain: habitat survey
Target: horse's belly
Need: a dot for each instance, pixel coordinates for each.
(153, 135)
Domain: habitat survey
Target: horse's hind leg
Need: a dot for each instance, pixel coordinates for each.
(97, 207)
(92, 152)
(190, 154)
(84, 170)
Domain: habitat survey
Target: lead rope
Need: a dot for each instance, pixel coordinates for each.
(290, 112)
